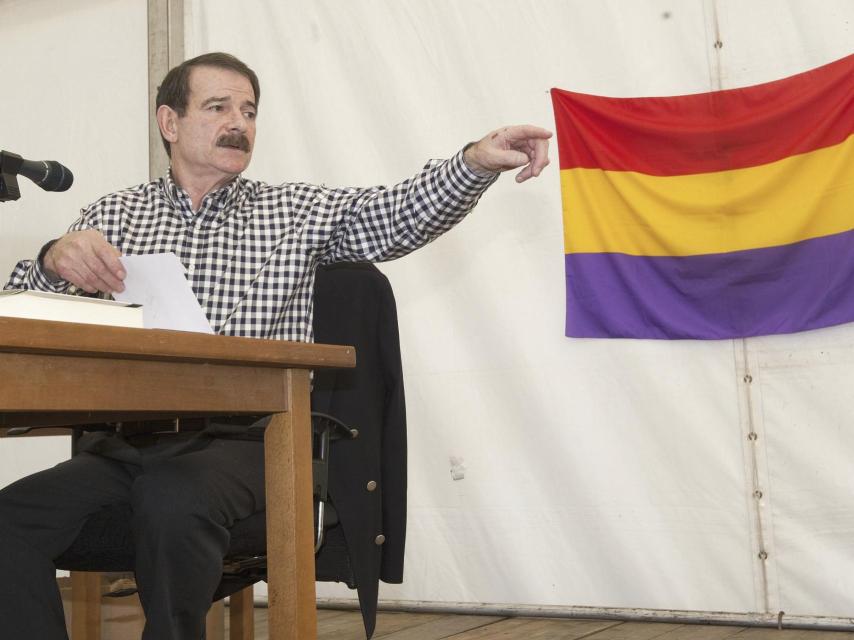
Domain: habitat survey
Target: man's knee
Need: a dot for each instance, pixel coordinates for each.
(7, 512)
(14, 506)
(18, 545)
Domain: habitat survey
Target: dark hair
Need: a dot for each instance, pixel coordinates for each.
(175, 89)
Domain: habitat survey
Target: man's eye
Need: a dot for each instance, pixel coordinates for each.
(215, 107)
(251, 115)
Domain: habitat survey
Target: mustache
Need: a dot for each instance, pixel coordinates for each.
(236, 140)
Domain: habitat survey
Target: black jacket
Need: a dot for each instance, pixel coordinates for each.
(354, 305)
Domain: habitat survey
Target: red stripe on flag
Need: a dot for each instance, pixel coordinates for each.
(707, 132)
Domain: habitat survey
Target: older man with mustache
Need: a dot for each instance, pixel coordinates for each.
(250, 250)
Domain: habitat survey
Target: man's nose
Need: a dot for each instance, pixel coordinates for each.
(237, 121)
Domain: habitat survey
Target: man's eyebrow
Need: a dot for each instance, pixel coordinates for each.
(209, 101)
(214, 99)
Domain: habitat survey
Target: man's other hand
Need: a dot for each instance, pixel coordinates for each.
(508, 148)
(87, 260)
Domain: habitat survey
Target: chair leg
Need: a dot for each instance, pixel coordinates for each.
(241, 615)
(215, 622)
(85, 605)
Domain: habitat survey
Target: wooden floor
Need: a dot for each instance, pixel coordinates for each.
(347, 625)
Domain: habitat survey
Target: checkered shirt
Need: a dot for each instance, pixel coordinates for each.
(251, 250)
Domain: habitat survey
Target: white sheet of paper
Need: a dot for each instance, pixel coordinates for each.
(157, 282)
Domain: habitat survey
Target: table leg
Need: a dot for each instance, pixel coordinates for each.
(215, 622)
(85, 605)
(241, 614)
(290, 516)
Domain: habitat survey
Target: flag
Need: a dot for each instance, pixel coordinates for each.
(717, 215)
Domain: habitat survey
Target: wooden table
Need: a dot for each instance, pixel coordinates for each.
(58, 374)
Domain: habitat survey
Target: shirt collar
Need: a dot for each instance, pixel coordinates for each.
(219, 200)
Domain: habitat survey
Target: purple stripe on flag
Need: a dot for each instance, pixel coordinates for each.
(795, 287)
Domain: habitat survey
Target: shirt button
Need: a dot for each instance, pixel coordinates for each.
(371, 485)
(191, 269)
(379, 539)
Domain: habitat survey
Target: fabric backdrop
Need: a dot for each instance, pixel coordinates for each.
(75, 90)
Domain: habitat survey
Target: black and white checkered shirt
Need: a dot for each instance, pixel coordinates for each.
(251, 249)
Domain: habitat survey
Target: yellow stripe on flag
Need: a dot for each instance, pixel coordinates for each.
(806, 196)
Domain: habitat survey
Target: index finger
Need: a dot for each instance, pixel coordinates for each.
(523, 131)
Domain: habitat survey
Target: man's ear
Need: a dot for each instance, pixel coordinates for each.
(167, 121)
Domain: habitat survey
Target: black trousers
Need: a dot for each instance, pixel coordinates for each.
(183, 499)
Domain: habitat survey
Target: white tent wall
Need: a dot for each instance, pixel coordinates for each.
(599, 473)
(74, 89)
(801, 411)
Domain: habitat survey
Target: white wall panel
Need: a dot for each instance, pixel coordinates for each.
(74, 88)
(804, 399)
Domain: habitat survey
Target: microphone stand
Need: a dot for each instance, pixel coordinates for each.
(10, 164)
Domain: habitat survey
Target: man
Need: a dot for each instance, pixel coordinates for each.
(250, 250)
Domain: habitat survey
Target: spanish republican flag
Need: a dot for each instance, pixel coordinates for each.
(716, 215)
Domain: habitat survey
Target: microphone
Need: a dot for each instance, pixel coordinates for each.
(47, 174)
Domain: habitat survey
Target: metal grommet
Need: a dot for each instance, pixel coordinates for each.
(379, 539)
(372, 485)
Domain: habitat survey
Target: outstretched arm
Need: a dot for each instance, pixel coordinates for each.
(509, 148)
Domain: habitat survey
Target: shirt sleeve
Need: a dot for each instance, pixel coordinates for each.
(382, 223)
(30, 274)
